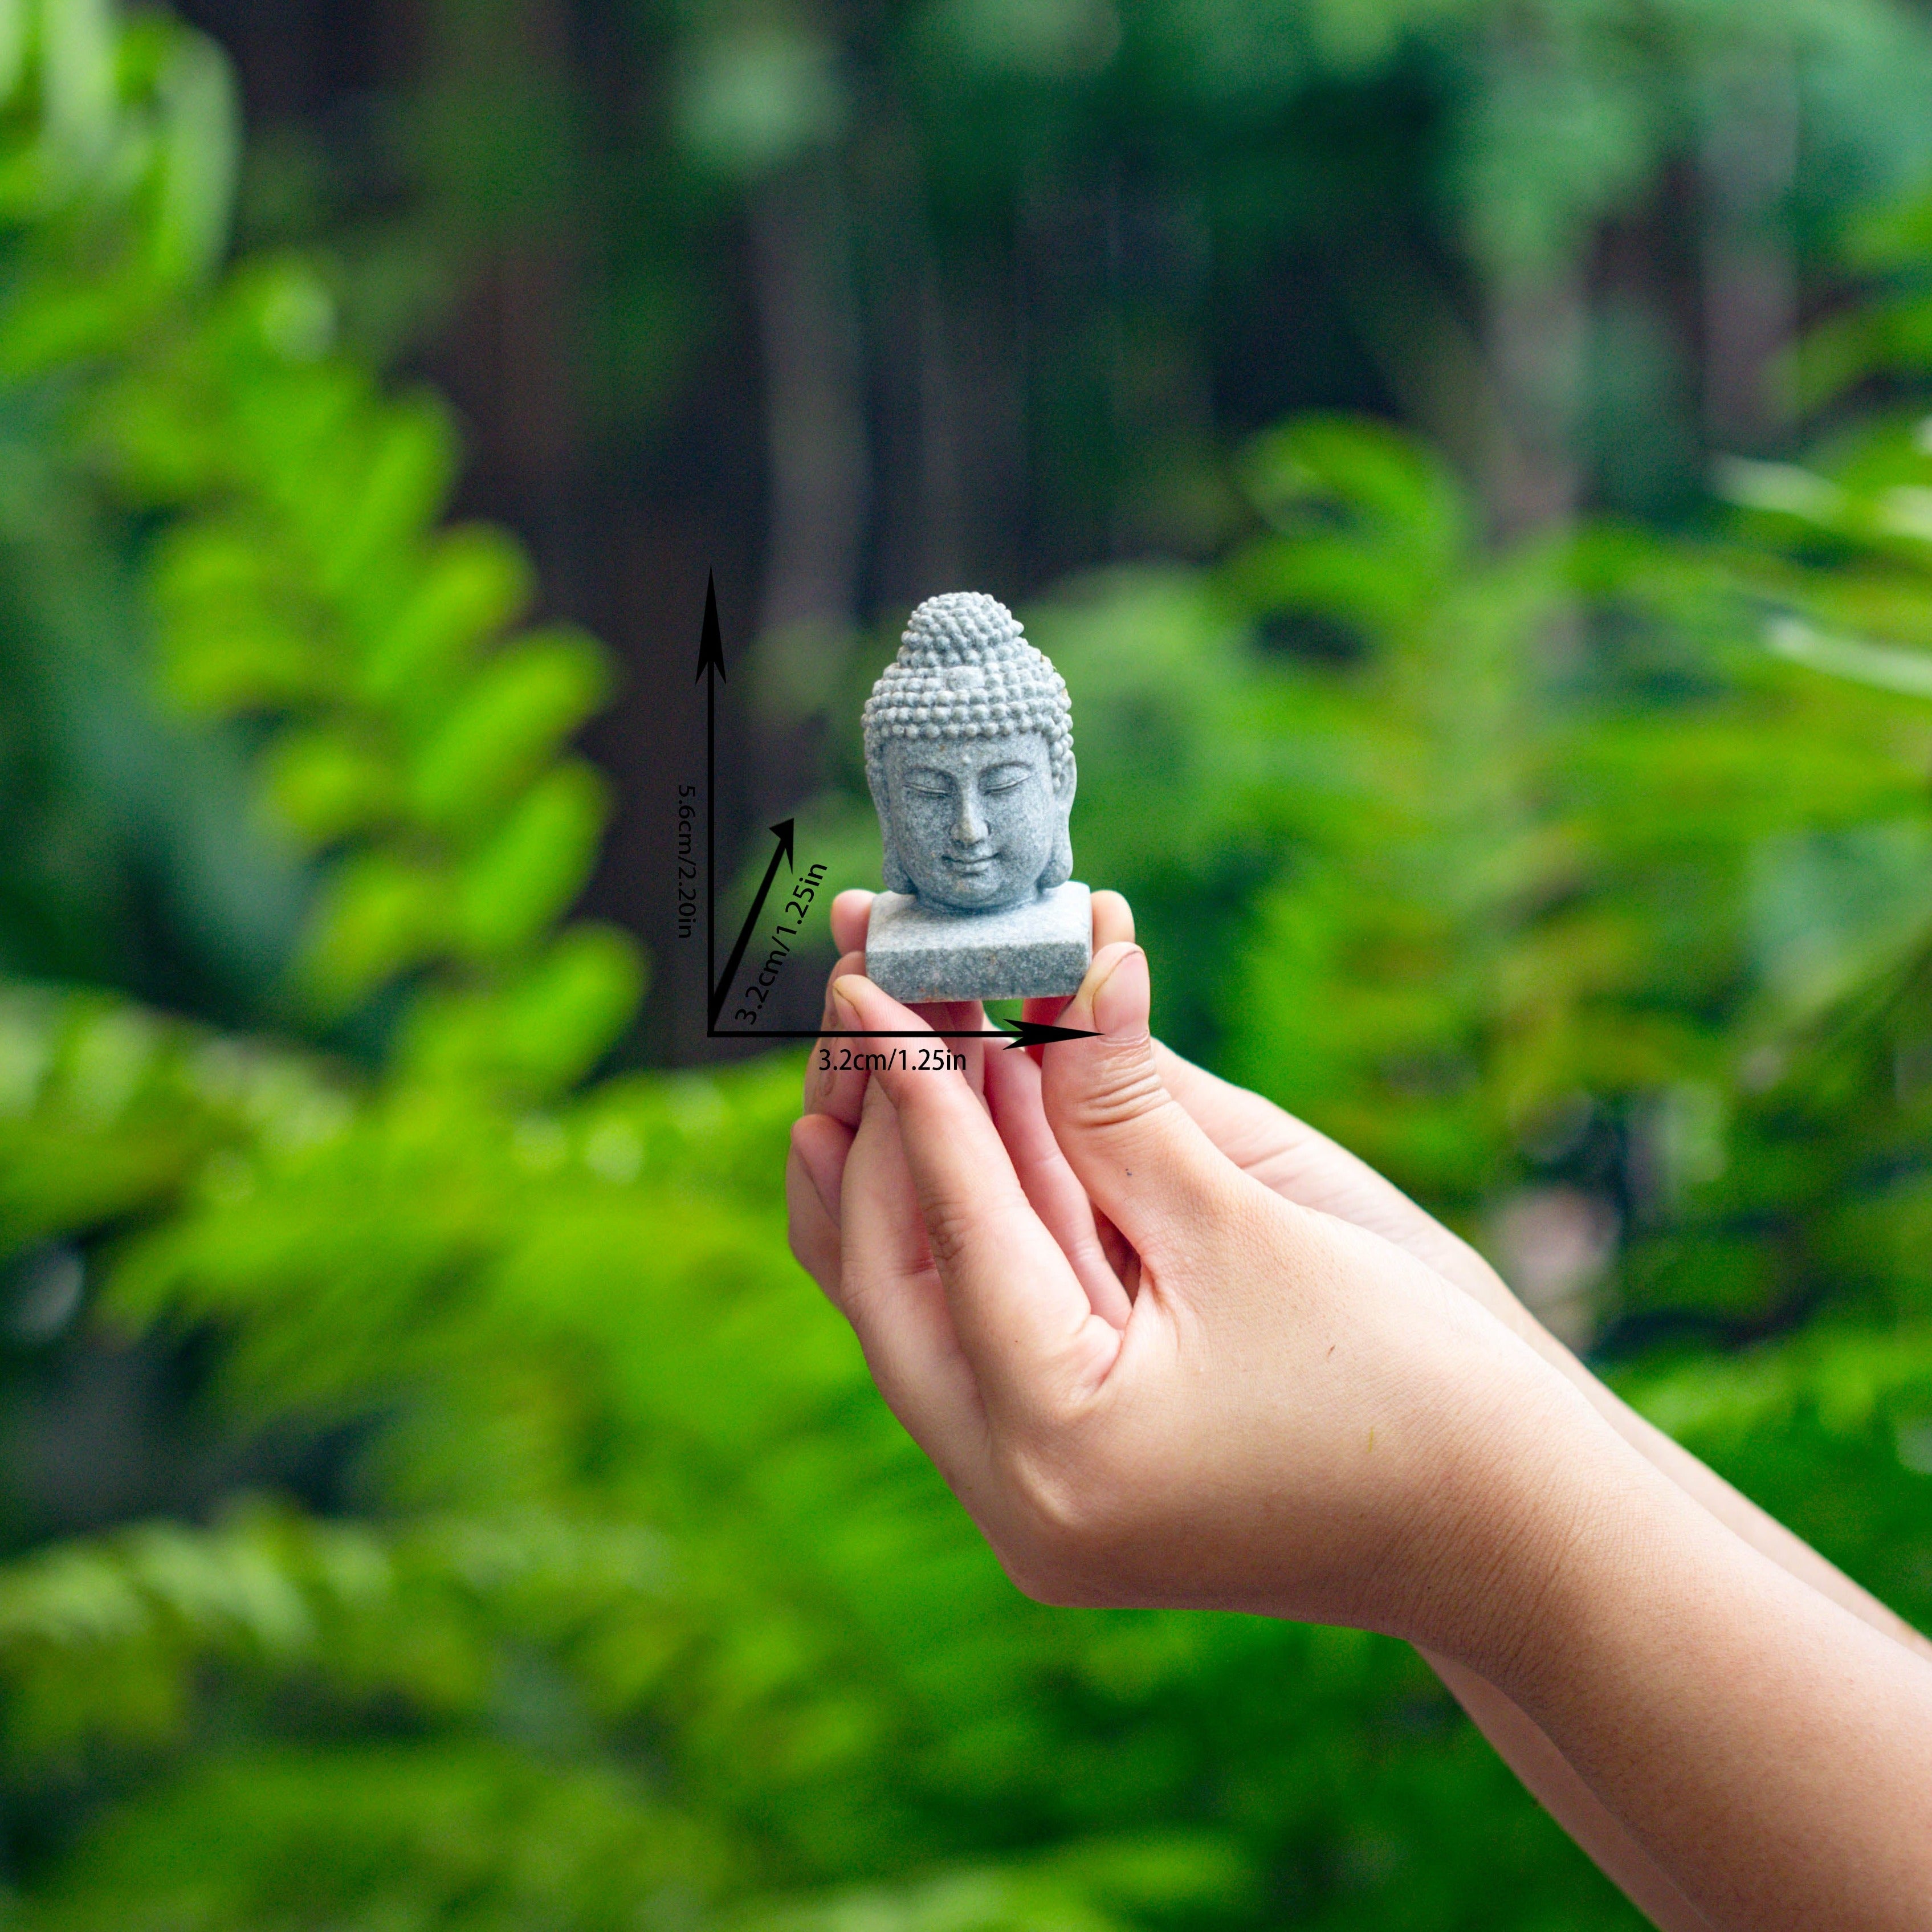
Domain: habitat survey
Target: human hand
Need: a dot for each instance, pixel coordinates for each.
(1285, 1154)
(1289, 1415)
(1009, 1082)
(1542, 1592)
(1301, 1164)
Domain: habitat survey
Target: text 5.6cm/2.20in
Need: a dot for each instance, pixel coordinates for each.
(687, 862)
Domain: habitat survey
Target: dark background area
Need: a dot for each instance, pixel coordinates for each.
(848, 310)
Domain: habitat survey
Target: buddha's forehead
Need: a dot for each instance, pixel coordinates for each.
(968, 757)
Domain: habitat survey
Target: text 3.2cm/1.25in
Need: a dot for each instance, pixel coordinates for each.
(904, 1059)
(804, 888)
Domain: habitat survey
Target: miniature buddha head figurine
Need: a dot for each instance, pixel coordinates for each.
(969, 754)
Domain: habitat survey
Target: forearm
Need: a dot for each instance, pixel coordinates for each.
(1736, 1511)
(1768, 1752)
(1551, 1779)
(1764, 1533)
(1305, 1166)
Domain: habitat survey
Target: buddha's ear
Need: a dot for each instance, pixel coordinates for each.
(1060, 865)
(897, 878)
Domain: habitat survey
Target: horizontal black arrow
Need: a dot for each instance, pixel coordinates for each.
(1022, 1032)
(1037, 1032)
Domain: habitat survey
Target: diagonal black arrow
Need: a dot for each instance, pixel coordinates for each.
(783, 830)
(711, 668)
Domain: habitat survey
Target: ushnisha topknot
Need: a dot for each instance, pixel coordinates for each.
(964, 670)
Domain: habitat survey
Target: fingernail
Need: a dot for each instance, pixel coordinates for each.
(831, 982)
(848, 1010)
(1120, 1000)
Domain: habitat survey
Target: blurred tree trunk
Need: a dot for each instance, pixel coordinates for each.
(502, 100)
(924, 449)
(1748, 165)
(941, 536)
(815, 402)
(1422, 348)
(818, 474)
(302, 57)
(1533, 336)
(1534, 316)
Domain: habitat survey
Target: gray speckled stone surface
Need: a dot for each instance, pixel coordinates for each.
(969, 756)
(1032, 951)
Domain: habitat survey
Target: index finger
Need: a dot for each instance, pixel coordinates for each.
(1021, 1314)
(832, 1084)
(851, 913)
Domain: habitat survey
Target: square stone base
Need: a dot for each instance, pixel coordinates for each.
(1035, 951)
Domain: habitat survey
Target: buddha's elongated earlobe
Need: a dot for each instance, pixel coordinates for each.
(892, 869)
(1060, 865)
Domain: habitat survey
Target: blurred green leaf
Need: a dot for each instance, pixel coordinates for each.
(508, 723)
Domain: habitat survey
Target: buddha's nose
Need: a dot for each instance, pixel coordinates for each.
(969, 825)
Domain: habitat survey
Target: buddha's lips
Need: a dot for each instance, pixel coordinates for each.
(977, 864)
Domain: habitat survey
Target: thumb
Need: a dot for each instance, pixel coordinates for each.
(1140, 1155)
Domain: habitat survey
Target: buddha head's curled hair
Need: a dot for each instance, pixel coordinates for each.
(965, 670)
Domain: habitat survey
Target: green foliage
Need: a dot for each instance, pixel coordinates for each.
(118, 158)
(1556, 786)
(808, 1674)
(416, 737)
(604, 1590)
(409, 736)
(1890, 331)
(128, 859)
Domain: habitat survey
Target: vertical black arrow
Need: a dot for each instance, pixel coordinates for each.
(711, 668)
(783, 830)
